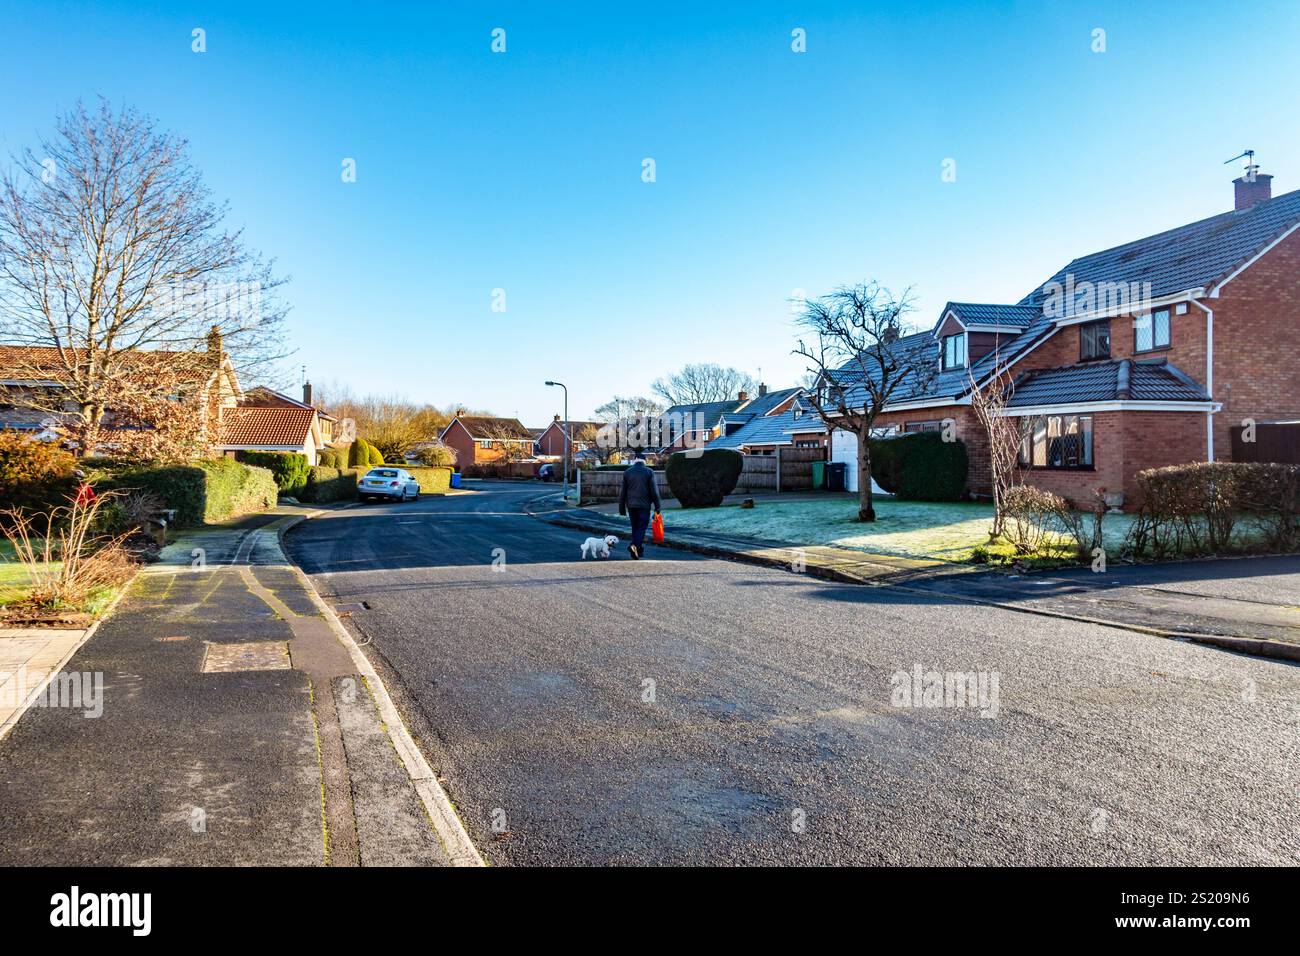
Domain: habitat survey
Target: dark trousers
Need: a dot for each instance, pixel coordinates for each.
(640, 518)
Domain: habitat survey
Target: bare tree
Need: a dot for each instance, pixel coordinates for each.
(989, 405)
(110, 245)
(860, 365)
(620, 408)
(392, 423)
(696, 384)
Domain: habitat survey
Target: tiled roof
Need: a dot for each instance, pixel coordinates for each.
(770, 430)
(1105, 382)
(991, 313)
(710, 413)
(1198, 255)
(24, 362)
(266, 425)
(760, 405)
(483, 427)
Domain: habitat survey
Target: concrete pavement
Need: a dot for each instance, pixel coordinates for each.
(683, 709)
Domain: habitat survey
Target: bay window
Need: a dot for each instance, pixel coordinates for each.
(1056, 441)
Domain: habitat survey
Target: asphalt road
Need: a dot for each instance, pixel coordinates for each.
(689, 710)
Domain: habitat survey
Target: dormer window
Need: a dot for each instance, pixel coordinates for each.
(954, 351)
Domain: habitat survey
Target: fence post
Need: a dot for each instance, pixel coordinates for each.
(579, 476)
(780, 452)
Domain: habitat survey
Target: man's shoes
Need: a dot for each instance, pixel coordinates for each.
(634, 551)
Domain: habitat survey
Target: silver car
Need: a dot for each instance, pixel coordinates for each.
(394, 483)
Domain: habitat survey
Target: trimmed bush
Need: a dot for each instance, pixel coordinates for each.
(34, 475)
(330, 484)
(206, 491)
(434, 480)
(920, 466)
(1194, 508)
(703, 480)
(333, 458)
(376, 456)
(359, 454)
(288, 467)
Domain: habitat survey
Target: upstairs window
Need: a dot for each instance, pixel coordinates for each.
(1151, 331)
(954, 351)
(1094, 340)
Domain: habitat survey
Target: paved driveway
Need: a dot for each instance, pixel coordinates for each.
(690, 710)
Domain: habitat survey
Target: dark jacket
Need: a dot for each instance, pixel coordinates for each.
(639, 490)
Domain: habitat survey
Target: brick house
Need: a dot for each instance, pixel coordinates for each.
(775, 420)
(550, 441)
(255, 420)
(1143, 355)
(479, 439)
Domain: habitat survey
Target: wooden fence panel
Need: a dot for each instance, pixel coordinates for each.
(1274, 442)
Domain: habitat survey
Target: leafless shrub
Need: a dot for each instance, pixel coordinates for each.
(66, 561)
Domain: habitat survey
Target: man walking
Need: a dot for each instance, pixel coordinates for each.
(638, 495)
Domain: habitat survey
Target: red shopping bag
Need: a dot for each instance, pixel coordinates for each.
(657, 528)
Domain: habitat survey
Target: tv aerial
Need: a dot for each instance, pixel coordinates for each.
(1248, 156)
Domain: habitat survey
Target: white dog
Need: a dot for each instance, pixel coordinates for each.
(599, 547)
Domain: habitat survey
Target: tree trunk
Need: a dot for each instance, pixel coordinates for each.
(865, 510)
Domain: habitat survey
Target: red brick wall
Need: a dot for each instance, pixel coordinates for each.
(1124, 443)
(466, 448)
(552, 440)
(1257, 343)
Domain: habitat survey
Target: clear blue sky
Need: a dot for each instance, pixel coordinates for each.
(776, 171)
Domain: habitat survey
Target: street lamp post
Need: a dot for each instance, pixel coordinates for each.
(566, 437)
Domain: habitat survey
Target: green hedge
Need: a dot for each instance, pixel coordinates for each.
(920, 466)
(288, 467)
(703, 480)
(330, 484)
(205, 491)
(433, 479)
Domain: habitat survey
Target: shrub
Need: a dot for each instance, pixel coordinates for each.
(205, 491)
(433, 481)
(289, 468)
(703, 480)
(66, 562)
(333, 458)
(1194, 508)
(359, 454)
(329, 484)
(1033, 514)
(435, 454)
(34, 475)
(920, 466)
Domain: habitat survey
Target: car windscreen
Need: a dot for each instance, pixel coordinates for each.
(382, 473)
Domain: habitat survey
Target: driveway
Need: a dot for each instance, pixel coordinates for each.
(684, 709)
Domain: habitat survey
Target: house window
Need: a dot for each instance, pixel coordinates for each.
(1094, 340)
(923, 426)
(1151, 331)
(954, 350)
(1056, 441)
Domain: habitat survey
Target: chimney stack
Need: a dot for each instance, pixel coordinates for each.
(460, 412)
(762, 389)
(306, 393)
(215, 347)
(557, 418)
(743, 396)
(1252, 188)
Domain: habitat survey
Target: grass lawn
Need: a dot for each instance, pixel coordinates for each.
(13, 576)
(15, 584)
(947, 531)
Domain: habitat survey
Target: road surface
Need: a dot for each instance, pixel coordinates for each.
(687, 710)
